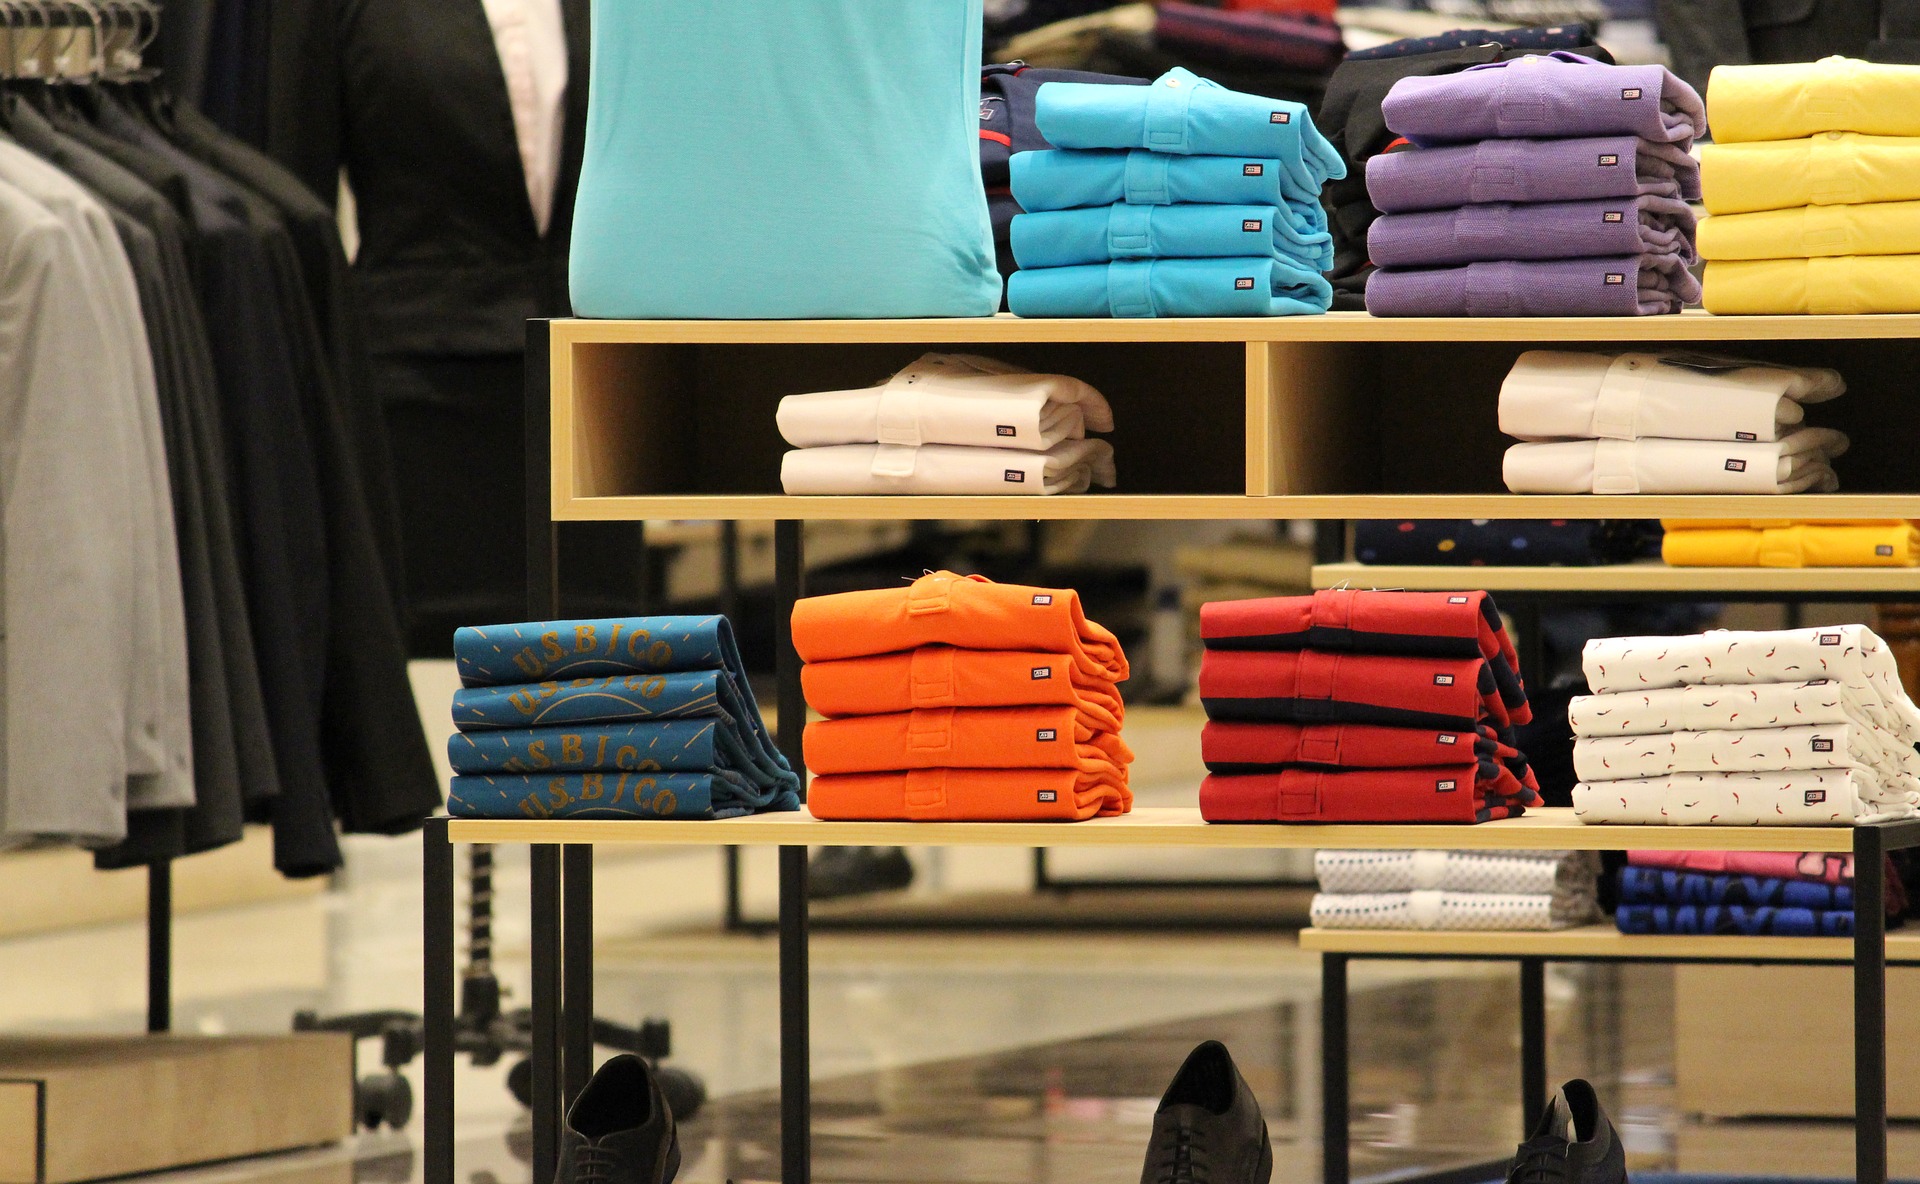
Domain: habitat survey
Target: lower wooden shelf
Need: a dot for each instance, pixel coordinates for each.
(1622, 577)
(1551, 829)
(1597, 941)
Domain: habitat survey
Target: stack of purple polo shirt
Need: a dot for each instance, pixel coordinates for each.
(1545, 185)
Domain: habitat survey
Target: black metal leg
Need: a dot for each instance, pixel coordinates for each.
(546, 1052)
(1533, 1042)
(796, 1087)
(160, 946)
(576, 977)
(1042, 879)
(1869, 1007)
(1334, 1165)
(437, 1000)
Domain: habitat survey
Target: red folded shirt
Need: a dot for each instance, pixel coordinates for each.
(1229, 747)
(1464, 793)
(1439, 624)
(1311, 686)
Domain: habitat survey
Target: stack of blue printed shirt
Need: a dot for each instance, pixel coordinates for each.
(1182, 198)
(630, 717)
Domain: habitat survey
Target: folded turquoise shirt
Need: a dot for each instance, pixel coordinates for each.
(490, 655)
(1170, 288)
(1061, 179)
(783, 158)
(673, 746)
(611, 795)
(1062, 238)
(1187, 115)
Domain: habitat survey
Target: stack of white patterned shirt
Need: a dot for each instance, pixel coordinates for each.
(1456, 889)
(1798, 727)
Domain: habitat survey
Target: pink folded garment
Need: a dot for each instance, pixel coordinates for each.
(1816, 866)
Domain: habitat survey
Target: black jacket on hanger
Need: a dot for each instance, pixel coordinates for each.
(1702, 34)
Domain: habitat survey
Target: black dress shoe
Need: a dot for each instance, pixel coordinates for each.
(1208, 1129)
(620, 1129)
(1573, 1144)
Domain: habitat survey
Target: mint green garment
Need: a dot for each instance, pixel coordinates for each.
(783, 158)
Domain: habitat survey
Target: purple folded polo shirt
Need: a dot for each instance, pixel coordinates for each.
(1530, 170)
(1544, 230)
(1627, 286)
(1559, 94)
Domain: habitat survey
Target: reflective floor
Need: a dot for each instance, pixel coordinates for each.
(941, 1056)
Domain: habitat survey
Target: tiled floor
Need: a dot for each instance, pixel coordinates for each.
(938, 1056)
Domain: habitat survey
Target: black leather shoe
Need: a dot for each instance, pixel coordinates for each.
(1574, 1143)
(1208, 1129)
(620, 1129)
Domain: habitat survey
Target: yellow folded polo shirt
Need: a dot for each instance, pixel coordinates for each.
(1841, 284)
(1766, 523)
(1877, 228)
(1797, 99)
(1885, 544)
(1828, 169)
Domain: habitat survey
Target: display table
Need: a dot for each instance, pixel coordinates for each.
(1339, 416)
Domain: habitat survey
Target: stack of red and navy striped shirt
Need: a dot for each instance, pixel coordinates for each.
(1350, 706)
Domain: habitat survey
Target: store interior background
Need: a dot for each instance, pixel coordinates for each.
(969, 1028)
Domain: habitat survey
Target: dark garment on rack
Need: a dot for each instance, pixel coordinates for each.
(1702, 34)
(1350, 118)
(1504, 542)
(1139, 55)
(1539, 39)
(184, 371)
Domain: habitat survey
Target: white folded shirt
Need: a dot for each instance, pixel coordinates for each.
(1432, 909)
(950, 399)
(1852, 655)
(1800, 461)
(1071, 466)
(1674, 395)
(1747, 750)
(1513, 872)
(1820, 797)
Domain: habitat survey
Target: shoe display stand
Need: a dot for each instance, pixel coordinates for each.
(1340, 416)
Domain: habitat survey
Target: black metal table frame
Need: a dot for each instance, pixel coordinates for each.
(1869, 962)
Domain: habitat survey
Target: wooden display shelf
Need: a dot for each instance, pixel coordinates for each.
(1550, 829)
(1335, 416)
(1336, 326)
(1594, 942)
(1622, 577)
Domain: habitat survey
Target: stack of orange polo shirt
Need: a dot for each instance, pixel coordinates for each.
(957, 698)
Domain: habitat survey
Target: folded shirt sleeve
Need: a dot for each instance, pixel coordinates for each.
(965, 738)
(1799, 462)
(1819, 797)
(1459, 793)
(1802, 544)
(1064, 238)
(1876, 228)
(1060, 180)
(1539, 230)
(933, 676)
(1579, 169)
(1237, 287)
(952, 399)
(962, 795)
(1560, 94)
(1433, 909)
(1831, 168)
(1620, 286)
(1794, 100)
(1561, 394)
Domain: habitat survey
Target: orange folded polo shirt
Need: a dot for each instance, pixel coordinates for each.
(970, 612)
(963, 738)
(942, 676)
(970, 795)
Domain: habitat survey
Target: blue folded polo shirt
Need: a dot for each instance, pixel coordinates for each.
(783, 158)
(1064, 180)
(1063, 238)
(1170, 288)
(1187, 115)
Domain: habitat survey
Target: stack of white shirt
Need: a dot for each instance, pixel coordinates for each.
(1669, 422)
(952, 424)
(1797, 727)
(1456, 889)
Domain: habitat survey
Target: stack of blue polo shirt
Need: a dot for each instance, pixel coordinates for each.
(628, 717)
(1182, 198)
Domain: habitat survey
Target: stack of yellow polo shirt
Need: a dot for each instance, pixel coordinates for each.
(1781, 542)
(1813, 185)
